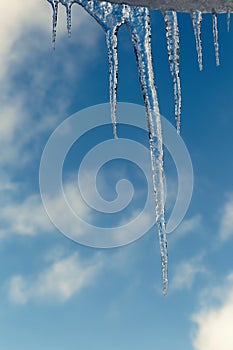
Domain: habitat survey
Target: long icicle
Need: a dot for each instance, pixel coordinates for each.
(215, 34)
(197, 19)
(111, 39)
(173, 46)
(141, 36)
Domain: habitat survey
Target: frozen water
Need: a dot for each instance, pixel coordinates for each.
(205, 6)
(55, 13)
(197, 19)
(68, 16)
(215, 34)
(141, 35)
(173, 46)
(111, 16)
(137, 19)
(228, 20)
(111, 39)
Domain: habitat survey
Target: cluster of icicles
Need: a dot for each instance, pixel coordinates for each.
(137, 19)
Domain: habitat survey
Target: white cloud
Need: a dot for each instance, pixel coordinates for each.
(35, 14)
(9, 121)
(186, 272)
(26, 217)
(226, 221)
(57, 206)
(76, 219)
(31, 74)
(58, 282)
(187, 226)
(29, 109)
(15, 18)
(12, 138)
(214, 322)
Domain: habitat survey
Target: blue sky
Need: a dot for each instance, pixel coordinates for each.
(57, 294)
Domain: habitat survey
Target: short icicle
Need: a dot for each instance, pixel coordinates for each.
(228, 20)
(173, 46)
(68, 18)
(111, 39)
(197, 19)
(215, 34)
(141, 36)
(54, 30)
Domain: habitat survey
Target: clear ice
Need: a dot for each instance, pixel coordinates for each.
(137, 19)
(215, 34)
(111, 16)
(55, 13)
(228, 20)
(173, 46)
(197, 19)
(111, 39)
(68, 17)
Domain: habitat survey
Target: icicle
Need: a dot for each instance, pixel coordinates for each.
(228, 20)
(173, 46)
(54, 30)
(141, 35)
(197, 19)
(68, 18)
(110, 17)
(215, 34)
(111, 39)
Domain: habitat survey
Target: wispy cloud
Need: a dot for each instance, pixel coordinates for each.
(16, 18)
(24, 214)
(186, 273)
(26, 217)
(187, 226)
(58, 282)
(32, 79)
(82, 218)
(214, 322)
(226, 220)
(21, 18)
